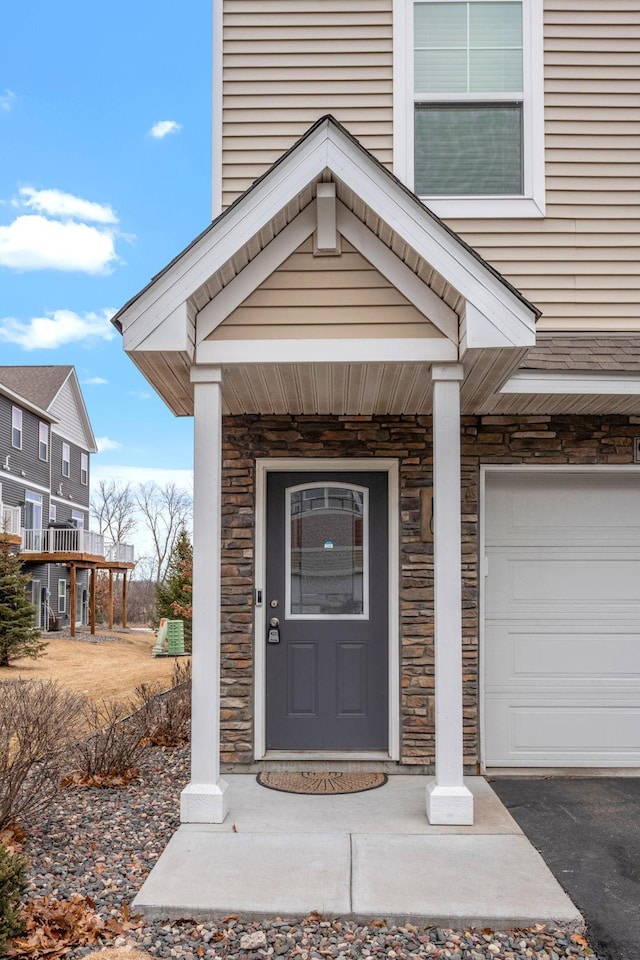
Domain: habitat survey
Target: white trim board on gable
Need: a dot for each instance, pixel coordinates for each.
(500, 317)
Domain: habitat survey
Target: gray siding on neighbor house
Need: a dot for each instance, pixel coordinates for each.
(72, 488)
(25, 459)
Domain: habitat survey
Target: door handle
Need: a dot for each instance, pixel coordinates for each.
(273, 634)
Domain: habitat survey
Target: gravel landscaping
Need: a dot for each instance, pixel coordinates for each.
(100, 845)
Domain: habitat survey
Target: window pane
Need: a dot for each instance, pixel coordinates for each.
(467, 48)
(440, 24)
(495, 25)
(495, 71)
(440, 71)
(326, 552)
(468, 149)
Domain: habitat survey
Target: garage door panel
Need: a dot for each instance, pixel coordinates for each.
(564, 734)
(591, 654)
(562, 619)
(522, 581)
(563, 509)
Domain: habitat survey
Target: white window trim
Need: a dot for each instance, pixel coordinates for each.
(53, 511)
(66, 460)
(16, 424)
(41, 442)
(84, 469)
(532, 203)
(62, 596)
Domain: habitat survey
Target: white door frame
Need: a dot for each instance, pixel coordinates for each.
(291, 465)
(488, 468)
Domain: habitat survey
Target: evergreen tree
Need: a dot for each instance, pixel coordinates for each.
(173, 597)
(18, 636)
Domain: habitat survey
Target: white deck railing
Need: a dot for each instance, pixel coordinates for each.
(120, 552)
(9, 519)
(62, 541)
(69, 540)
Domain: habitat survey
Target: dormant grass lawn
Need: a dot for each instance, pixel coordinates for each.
(106, 670)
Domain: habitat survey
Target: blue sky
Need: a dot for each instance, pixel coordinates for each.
(105, 159)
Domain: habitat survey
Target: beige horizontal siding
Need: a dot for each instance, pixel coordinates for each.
(288, 62)
(580, 263)
(325, 297)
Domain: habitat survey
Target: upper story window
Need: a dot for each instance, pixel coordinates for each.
(84, 468)
(66, 460)
(43, 441)
(16, 428)
(468, 109)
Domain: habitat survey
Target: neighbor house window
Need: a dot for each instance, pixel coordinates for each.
(84, 468)
(43, 441)
(16, 428)
(62, 596)
(472, 122)
(78, 518)
(66, 460)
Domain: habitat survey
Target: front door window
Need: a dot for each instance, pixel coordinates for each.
(327, 552)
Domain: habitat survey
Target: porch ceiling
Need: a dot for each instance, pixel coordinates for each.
(328, 388)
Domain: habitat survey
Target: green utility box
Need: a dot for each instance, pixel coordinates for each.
(175, 638)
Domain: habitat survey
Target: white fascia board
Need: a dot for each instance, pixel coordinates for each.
(243, 221)
(561, 382)
(256, 272)
(172, 334)
(396, 272)
(480, 331)
(407, 350)
(433, 242)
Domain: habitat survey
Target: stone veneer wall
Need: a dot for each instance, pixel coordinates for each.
(490, 439)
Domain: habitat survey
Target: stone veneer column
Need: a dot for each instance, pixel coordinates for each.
(448, 800)
(204, 799)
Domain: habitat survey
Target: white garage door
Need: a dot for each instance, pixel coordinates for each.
(562, 619)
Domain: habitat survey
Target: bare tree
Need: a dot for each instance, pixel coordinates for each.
(113, 506)
(164, 511)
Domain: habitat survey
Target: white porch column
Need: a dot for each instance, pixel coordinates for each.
(204, 800)
(448, 800)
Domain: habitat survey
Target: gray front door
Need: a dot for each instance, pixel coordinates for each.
(327, 586)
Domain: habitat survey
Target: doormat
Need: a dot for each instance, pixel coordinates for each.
(321, 784)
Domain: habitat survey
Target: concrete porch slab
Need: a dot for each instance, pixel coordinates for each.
(361, 855)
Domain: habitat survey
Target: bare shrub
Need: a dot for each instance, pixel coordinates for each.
(111, 748)
(167, 713)
(38, 720)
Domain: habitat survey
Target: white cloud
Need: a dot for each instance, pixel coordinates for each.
(96, 380)
(163, 127)
(33, 242)
(55, 203)
(104, 443)
(140, 394)
(57, 329)
(7, 99)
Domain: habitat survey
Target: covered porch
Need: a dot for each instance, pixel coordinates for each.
(327, 290)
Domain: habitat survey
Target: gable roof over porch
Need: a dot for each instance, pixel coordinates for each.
(328, 191)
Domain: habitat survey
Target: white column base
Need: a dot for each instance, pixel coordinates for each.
(449, 805)
(204, 802)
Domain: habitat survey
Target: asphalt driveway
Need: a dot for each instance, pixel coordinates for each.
(587, 829)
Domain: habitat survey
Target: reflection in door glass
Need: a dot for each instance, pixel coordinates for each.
(327, 551)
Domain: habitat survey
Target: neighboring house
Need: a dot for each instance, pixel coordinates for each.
(46, 442)
(410, 341)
